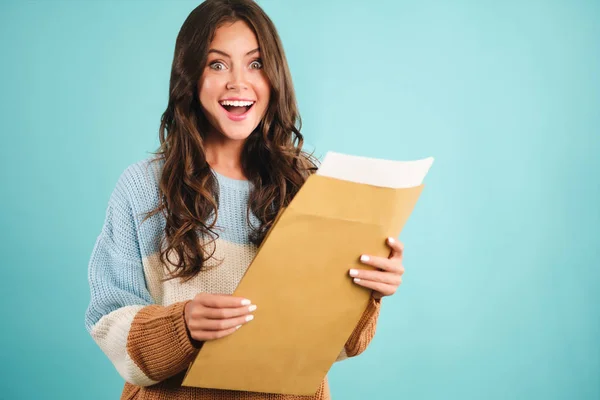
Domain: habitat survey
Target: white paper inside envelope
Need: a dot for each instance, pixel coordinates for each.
(376, 172)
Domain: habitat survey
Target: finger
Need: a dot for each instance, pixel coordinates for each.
(397, 248)
(219, 324)
(203, 336)
(223, 313)
(382, 263)
(383, 288)
(221, 300)
(376, 276)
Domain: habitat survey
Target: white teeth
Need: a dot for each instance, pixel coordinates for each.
(236, 103)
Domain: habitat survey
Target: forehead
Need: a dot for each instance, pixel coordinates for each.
(236, 37)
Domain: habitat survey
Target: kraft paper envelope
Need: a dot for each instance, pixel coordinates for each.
(308, 305)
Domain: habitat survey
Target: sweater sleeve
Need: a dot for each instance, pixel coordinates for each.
(146, 342)
(363, 332)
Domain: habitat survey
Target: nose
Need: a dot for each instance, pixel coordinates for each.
(237, 80)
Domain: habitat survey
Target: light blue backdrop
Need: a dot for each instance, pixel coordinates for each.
(500, 298)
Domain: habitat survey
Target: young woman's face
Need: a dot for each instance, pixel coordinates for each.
(234, 90)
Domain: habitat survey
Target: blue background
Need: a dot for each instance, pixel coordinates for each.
(500, 298)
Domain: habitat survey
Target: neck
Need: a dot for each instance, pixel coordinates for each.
(224, 155)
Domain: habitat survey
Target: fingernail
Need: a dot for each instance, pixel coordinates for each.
(353, 272)
(252, 308)
(356, 280)
(238, 327)
(246, 302)
(364, 258)
(249, 318)
(391, 240)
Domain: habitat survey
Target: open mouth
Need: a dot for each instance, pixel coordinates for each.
(237, 108)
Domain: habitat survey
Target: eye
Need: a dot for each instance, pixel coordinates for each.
(217, 66)
(256, 64)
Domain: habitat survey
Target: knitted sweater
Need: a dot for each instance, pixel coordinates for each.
(136, 317)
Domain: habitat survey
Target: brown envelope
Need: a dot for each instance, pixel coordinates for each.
(308, 305)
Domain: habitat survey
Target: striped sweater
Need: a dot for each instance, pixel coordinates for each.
(136, 317)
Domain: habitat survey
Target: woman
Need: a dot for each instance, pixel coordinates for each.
(182, 226)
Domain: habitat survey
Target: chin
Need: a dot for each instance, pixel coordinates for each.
(237, 133)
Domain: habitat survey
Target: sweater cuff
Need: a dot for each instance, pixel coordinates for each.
(365, 329)
(159, 342)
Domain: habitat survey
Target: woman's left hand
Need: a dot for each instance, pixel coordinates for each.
(388, 277)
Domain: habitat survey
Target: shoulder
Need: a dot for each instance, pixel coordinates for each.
(142, 174)
(137, 191)
(139, 182)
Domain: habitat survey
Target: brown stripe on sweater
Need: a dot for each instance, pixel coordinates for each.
(158, 341)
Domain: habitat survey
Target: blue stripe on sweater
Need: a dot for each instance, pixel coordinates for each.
(116, 274)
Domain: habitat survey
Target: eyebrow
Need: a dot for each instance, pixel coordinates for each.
(227, 55)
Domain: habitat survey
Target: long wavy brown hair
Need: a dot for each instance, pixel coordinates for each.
(272, 157)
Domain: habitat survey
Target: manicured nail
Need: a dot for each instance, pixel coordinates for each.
(353, 272)
(238, 327)
(246, 302)
(252, 308)
(249, 318)
(364, 258)
(357, 280)
(390, 240)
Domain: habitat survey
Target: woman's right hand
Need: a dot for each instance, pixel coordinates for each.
(213, 316)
